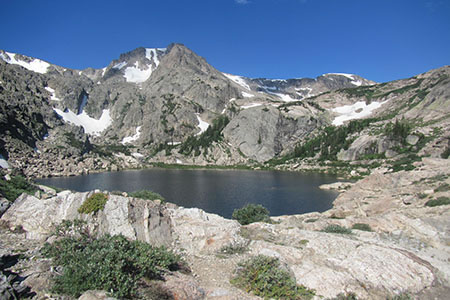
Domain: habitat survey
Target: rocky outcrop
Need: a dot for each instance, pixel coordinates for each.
(264, 132)
(406, 251)
(134, 218)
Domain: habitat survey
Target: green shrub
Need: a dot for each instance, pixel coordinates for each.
(362, 226)
(437, 202)
(212, 134)
(446, 153)
(336, 229)
(236, 248)
(146, 195)
(311, 220)
(402, 296)
(93, 204)
(110, 263)
(346, 296)
(264, 277)
(11, 189)
(442, 188)
(251, 213)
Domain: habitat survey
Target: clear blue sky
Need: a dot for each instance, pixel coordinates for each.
(381, 40)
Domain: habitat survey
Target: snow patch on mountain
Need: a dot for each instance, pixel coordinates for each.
(354, 80)
(53, 94)
(135, 137)
(201, 124)
(35, 65)
(238, 79)
(120, 65)
(251, 105)
(90, 125)
(140, 73)
(136, 75)
(247, 95)
(3, 163)
(284, 97)
(357, 110)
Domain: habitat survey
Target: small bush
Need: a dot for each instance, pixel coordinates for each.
(110, 263)
(264, 277)
(337, 229)
(346, 296)
(442, 188)
(362, 226)
(11, 189)
(251, 213)
(439, 201)
(147, 195)
(93, 204)
(311, 220)
(237, 248)
(402, 296)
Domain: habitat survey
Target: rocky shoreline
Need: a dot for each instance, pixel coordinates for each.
(406, 251)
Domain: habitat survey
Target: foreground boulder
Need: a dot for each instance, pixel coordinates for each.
(134, 218)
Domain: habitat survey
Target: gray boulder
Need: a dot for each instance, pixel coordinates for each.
(136, 219)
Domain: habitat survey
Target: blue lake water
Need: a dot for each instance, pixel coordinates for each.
(216, 191)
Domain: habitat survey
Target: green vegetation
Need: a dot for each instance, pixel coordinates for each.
(398, 131)
(110, 263)
(328, 143)
(446, 153)
(73, 141)
(194, 167)
(442, 188)
(437, 202)
(109, 150)
(336, 229)
(311, 220)
(402, 296)
(346, 296)
(146, 195)
(94, 203)
(236, 248)
(212, 134)
(11, 189)
(362, 226)
(264, 277)
(405, 163)
(251, 213)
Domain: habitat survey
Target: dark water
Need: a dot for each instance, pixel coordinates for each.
(216, 191)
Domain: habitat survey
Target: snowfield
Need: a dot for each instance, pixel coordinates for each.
(352, 77)
(284, 97)
(3, 163)
(251, 105)
(202, 125)
(90, 125)
(36, 65)
(132, 138)
(355, 111)
(52, 91)
(247, 95)
(139, 74)
(238, 79)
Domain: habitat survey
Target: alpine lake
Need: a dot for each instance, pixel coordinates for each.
(215, 191)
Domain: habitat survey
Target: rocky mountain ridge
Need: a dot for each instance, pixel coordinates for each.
(153, 99)
(155, 105)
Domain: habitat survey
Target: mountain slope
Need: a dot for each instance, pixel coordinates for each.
(151, 104)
